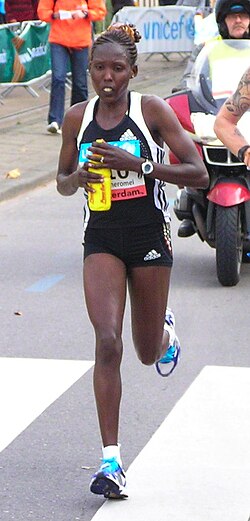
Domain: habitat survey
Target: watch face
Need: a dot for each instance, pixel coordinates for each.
(147, 167)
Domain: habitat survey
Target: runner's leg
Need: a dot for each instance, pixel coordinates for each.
(105, 294)
(149, 288)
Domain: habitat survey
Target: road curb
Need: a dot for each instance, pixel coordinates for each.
(23, 186)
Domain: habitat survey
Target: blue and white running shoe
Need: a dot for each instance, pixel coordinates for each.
(110, 480)
(172, 355)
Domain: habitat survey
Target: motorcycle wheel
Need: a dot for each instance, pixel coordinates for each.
(229, 244)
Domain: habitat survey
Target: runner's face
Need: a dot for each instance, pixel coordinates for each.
(237, 24)
(110, 71)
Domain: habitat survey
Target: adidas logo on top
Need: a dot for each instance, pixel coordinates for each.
(152, 255)
(127, 135)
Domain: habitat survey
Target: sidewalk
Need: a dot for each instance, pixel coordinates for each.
(24, 142)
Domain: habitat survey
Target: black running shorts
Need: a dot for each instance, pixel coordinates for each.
(148, 245)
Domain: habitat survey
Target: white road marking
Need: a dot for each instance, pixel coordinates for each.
(196, 467)
(28, 386)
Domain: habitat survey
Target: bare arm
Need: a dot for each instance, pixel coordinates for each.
(230, 113)
(163, 123)
(70, 177)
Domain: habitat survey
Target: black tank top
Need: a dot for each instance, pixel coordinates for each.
(134, 210)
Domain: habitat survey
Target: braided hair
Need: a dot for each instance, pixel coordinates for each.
(126, 35)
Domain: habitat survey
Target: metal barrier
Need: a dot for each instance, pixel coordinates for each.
(164, 29)
(24, 55)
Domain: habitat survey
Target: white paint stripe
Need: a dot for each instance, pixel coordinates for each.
(29, 386)
(196, 467)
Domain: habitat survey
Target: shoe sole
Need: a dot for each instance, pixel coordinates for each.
(107, 488)
(54, 131)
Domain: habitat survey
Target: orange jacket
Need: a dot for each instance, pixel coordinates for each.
(72, 33)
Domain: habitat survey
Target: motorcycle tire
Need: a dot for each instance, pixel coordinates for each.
(229, 244)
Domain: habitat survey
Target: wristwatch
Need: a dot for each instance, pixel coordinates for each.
(241, 152)
(147, 167)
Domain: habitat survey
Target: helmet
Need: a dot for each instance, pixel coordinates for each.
(223, 8)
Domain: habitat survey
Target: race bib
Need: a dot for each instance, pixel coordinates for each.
(127, 185)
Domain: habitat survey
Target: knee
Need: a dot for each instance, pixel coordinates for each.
(148, 360)
(109, 350)
(150, 356)
(58, 81)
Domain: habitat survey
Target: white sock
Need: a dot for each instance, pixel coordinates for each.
(112, 451)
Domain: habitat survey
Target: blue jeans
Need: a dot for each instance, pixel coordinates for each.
(61, 59)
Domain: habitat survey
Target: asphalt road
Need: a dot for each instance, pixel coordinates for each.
(45, 470)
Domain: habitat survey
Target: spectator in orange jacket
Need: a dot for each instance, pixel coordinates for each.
(20, 10)
(70, 38)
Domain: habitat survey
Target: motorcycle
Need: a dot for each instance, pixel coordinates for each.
(220, 215)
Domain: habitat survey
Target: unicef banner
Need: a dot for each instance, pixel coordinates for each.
(163, 29)
(24, 57)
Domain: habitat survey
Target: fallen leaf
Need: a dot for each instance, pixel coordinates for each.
(13, 174)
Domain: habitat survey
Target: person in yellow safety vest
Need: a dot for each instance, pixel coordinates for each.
(233, 20)
(218, 71)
